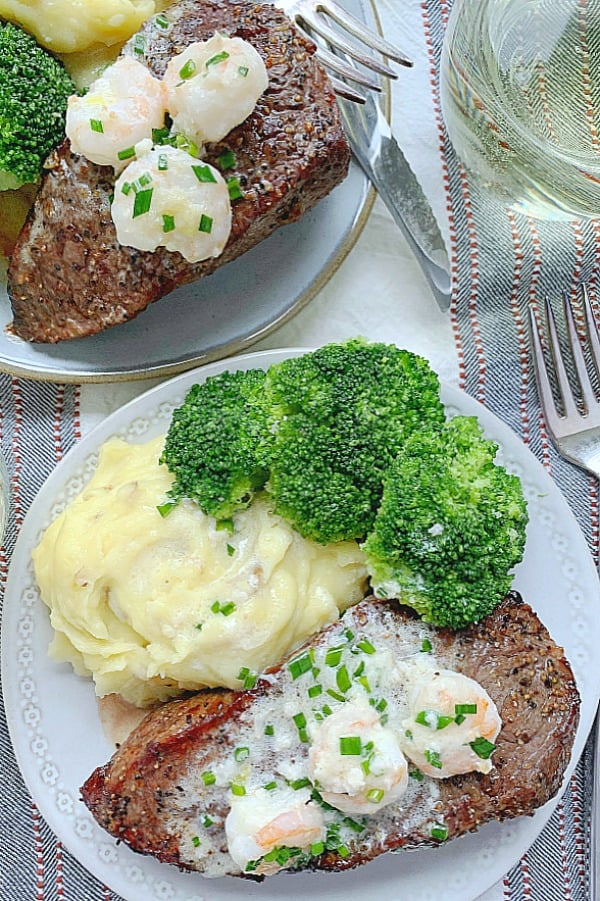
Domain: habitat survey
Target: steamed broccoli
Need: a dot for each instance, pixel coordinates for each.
(450, 527)
(339, 416)
(34, 87)
(212, 446)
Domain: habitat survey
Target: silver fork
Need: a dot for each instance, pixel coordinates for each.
(575, 431)
(311, 16)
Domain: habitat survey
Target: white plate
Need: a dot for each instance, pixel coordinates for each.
(216, 316)
(58, 739)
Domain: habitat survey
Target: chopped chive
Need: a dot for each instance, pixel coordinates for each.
(163, 162)
(162, 21)
(365, 645)
(199, 626)
(343, 850)
(349, 634)
(241, 753)
(144, 179)
(160, 135)
(270, 786)
(297, 784)
(433, 758)
(139, 44)
(350, 745)
(416, 774)
(365, 683)
(247, 677)
(300, 721)
(375, 795)
(206, 224)
(237, 789)
(142, 202)
(439, 831)
(315, 690)
(168, 222)
(482, 747)
(188, 69)
(208, 778)
(230, 550)
(269, 729)
(333, 656)
(228, 608)
(426, 645)
(165, 509)
(299, 666)
(433, 719)
(97, 126)
(460, 709)
(207, 821)
(195, 841)
(243, 71)
(317, 848)
(335, 695)
(359, 669)
(217, 58)
(226, 160)
(204, 174)
(225, 525)
(327, 711)
(126, 154)
(183, 143)
(233, 186)
(126, 188)
(344, 682)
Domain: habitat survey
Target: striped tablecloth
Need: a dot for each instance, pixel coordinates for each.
(502, 263)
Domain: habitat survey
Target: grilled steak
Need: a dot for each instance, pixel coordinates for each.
(152, 794)
(69, 277)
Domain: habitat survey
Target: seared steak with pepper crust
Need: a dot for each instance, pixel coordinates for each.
(152, 794)
(69, 277)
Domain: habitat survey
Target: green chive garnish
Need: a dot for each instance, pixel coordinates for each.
(297, 784)
(482, 747)
(226, 160)
(195, 841)
(162, 21)
(238, 790)
(433, 719)
(165, 509)
(126, 154)
(375, 795)
(460, 709)
(317, 848)
(300, 665)
(208, 778)
(142, 202)
(270, 786)
(139, 44)
(333, 656)
(243, 71)
(207, 821)
(350, 745)
(269, 729)
(439, 831)
(233, 186)
(365, 645)
(168, 222)
(315, 690)
(241, 753)
(416, 774)
(217, 58)
(247, 677)
(433, 759)
(230, 550)
(163, 162)
(126, 188)
(426, 645)
(206, 224)
(188, 69)
(97, 126)
(344, 682)
(204, 173)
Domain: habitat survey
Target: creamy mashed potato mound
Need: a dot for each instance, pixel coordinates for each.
(152, 605)
(66, 26)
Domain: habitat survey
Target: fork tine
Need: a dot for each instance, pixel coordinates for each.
(592, 329)
(587, 389)
(318, 24)
(551, 414)
(357, 28)
(346, 70)
(562, 378)
(344, 90)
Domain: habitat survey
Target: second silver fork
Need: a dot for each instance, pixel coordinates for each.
(575, 431)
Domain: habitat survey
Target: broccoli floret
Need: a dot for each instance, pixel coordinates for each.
(34, 87)
(214, 440)
(339, 416)
(450, 528)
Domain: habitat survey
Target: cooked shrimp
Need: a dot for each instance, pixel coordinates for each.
(120, 109)
(213, 85)
(357, 763)
(263, 820)
(452, 725)
(170, 199)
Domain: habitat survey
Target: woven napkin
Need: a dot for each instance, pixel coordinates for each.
(501, 264)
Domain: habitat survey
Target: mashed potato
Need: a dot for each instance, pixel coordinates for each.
(151, 605)
(65, 26)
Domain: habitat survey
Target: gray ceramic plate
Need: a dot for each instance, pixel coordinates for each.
(216, 316)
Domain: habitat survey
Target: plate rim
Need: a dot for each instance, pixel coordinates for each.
(112, 425)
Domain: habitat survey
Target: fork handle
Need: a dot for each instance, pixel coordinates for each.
(595, 812)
